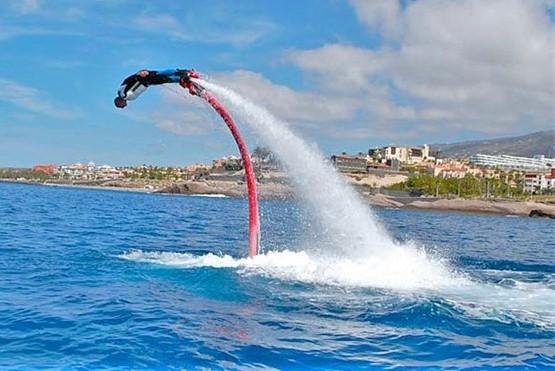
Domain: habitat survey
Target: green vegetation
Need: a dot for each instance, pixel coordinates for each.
(155, 173)
(539, 198)
(27, 174)
(469, 186)
(265, 156)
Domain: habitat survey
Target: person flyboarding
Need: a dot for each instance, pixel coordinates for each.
(134, 85)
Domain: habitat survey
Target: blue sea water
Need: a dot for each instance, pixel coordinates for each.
(102, 279)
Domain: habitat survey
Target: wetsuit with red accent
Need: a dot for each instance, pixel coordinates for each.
(135, 85)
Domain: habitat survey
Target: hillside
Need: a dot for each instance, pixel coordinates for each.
(539, 143)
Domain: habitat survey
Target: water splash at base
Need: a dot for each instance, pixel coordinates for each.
(404, 272)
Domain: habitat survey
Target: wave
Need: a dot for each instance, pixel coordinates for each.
(401, 270)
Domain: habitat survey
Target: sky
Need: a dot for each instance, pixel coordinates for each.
(345, 75)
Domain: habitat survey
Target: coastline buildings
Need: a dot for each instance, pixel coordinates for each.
(452, 169)
(537, 163)
(79, 171)
(73, 171)
(45, 169)
(230, 163)
(197, 168)
(456, 169)
(107, 172)
(350, 164)
(405, 155)
(532, 175)
(538, 182)
(382, 159)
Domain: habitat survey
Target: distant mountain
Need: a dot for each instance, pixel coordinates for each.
(539, 143)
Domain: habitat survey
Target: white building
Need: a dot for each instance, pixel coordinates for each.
(91, 166)
(89, 171)
(537, 163)
(107, 172)
(73, 171)
(405, 155)
(537, 182)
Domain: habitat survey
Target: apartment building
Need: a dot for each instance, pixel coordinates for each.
(405, 155)
(537, 163)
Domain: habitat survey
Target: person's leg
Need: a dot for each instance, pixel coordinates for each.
(160, 77)
(172, 75)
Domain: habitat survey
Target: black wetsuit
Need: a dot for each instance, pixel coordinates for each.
(134, 85)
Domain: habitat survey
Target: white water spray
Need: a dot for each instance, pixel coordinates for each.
(349, 228)
(350, 241)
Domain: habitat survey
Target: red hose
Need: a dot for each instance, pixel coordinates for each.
(254, 226)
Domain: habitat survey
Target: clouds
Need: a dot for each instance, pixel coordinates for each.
(182, 114)
(24, 18)
(32, 100)
(163, 23)
(59, 10)
(466, 65)
(341, 67)
(127, 19)
(471, 41)
(8, 32)
(444, 66)
(490, 64)
(287, 103)
(25, 6)
(381, 16)
(213, 27)
(186, 123)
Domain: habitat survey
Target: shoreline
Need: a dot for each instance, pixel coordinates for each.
(460, 205)
(82, 186)
(273, 191)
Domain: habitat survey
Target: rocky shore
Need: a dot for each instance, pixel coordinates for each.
(283, 191)
(504, 207)
(276, 187)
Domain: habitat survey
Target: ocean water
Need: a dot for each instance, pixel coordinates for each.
(103, 279)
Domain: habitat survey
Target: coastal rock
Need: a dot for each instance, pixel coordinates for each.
(230, 189)
(489, 206)
(536, 213)
(381, 200)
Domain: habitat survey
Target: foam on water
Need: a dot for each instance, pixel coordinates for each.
(403, 270)
(394, 269)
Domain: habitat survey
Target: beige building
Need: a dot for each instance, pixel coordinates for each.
(230, 163)
(197, 168)
(405, 155)
(349, 164)
(448, 171)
